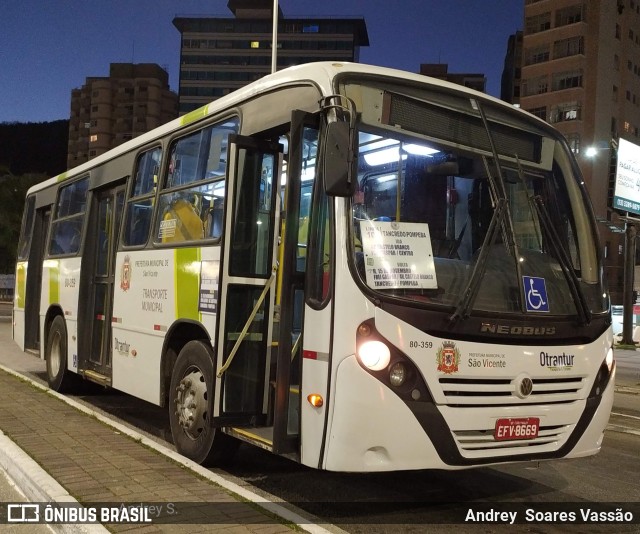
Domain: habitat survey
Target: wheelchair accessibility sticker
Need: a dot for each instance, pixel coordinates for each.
(535, 294)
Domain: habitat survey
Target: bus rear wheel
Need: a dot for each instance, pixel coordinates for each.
(191, 408)
(58, 376)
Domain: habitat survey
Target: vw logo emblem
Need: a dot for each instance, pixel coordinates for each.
(525, 387)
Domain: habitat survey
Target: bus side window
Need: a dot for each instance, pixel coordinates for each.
(181, 218)
(215, 215)
(139, 213)
(27, 228)
(140, 205)
(191, 201)
(66, 229)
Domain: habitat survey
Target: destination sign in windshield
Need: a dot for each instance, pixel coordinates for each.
(398, 255)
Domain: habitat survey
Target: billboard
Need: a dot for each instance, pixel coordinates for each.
(626, 193)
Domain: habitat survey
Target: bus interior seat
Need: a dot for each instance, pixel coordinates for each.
(190, 227)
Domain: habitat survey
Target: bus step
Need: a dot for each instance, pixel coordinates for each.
(261, 437)
(98, 378)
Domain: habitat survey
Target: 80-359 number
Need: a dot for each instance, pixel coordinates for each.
(420, 344)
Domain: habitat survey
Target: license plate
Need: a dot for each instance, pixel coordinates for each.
(520, 428)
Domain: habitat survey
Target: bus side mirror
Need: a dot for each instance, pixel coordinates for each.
(337, 160)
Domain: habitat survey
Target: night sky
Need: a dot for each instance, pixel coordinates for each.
(49, 47)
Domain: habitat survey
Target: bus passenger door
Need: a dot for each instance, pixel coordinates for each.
(247, 285)
(34, 279)
(102, 241)
(303, 145)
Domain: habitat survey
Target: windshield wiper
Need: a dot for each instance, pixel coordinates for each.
(536, 201)
(470, 292)
(500, 216)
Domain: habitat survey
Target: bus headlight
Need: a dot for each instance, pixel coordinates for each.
(397, 374)
(609, 359)
(374, 354)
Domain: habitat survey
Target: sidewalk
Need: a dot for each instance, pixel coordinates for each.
(96, 464)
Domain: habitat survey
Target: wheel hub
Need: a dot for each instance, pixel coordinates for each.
(55, 355)
(191, 403)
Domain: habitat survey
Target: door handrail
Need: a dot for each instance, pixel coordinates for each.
(295, 346)
(242, 335)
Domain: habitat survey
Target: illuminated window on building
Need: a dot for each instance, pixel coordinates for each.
(255, 44)
(93, 138)
(568, 111)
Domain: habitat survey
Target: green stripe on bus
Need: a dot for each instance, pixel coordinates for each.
(54, 283)
(21, 284)
(61, 177)
(187, 283)
(194, 115)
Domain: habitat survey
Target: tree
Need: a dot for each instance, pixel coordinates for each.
(13, 190)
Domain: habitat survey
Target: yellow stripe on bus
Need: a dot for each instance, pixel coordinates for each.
(187, 283)
(21, 284)
(194, 115)
(54, 281)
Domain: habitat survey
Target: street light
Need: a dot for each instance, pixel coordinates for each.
(623, 171)
(591, 152)
(274, 38)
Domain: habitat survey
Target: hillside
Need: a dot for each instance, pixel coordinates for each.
(34, 147)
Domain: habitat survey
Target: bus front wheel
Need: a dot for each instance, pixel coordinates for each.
(191, 408)
(58, 376)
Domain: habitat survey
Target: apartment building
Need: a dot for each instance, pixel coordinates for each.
(221, 54)
(107, 111)
(580, 72)
(475, 81)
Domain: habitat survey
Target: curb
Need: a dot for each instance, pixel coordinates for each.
(59, 494)
(629, 390)
(38, 486)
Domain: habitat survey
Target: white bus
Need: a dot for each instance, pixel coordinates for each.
(358, 268)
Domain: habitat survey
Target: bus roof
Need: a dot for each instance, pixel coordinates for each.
(319, 73)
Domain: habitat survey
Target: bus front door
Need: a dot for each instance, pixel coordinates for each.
(247, 285)
(95, 364)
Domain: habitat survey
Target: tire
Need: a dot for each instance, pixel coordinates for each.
(191, 408)
(60, 379)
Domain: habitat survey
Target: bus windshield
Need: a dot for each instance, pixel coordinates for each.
(465, 205)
